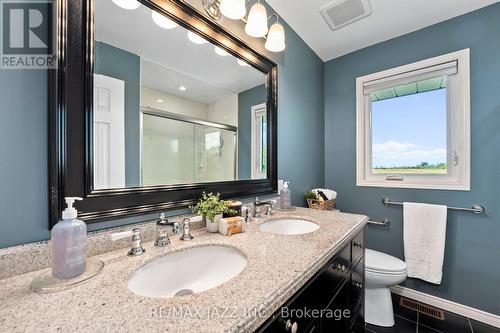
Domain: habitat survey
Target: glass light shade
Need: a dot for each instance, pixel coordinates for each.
(257, 21)
(196, 39)
(275, 38)
(221, 51)
(233, 9)
(243, 63)
(127, 4)
(162, 21)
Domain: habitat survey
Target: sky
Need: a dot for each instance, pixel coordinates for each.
(409, 130)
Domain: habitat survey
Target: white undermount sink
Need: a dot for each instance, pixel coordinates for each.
(187, 272)
(289, 226)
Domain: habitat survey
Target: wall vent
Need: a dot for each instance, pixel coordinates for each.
(421, 308)
(340, 13)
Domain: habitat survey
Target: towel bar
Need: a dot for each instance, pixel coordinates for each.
(385, 222)
(476, 209)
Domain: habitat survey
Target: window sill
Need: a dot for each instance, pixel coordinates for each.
(414, 185)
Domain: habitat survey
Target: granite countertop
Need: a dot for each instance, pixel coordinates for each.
(278, 265)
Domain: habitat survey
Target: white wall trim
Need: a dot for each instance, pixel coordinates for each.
(463, 310)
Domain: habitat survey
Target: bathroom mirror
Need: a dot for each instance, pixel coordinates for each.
(171, 107)
(158, 104)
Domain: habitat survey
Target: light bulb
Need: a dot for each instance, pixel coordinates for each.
(127, 4)
(257, 21)
(196, 39)
(162, 21)
(275, 38)
(243, 63)
(221, 51)
(233, 9)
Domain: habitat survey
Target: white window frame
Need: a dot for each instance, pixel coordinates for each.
(256, 141)
(458, 125)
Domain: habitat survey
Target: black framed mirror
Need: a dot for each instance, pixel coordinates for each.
(151, 106)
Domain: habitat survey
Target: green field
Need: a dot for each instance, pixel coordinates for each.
(433, 171)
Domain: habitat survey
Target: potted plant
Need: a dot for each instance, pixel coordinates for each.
(211, 207)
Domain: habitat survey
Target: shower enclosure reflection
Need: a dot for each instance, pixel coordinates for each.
(182, 150)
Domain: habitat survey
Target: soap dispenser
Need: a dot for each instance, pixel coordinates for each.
(285, 197)
(68, 239)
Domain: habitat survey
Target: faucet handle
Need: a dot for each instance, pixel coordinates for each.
(136, 240)
(186, 229)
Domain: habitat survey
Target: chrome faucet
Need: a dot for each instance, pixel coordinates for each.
(137, 248)
(163, 227)
(258, 204)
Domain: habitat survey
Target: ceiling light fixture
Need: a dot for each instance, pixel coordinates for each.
(196, 38)
(220, 51)
(159, 100)
(163, 21)
(127, 4)
(233, 9)
(182, 88)
(276, 37)
(257, 21)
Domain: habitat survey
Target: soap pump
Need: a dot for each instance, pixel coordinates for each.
(68, 239)
(285, 197)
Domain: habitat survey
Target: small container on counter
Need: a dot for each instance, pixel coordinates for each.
(232, 225)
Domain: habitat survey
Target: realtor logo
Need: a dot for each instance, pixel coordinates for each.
(27, 34)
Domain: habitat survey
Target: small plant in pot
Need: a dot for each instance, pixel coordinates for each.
(211, 207)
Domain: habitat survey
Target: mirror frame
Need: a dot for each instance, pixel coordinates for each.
(70, 120)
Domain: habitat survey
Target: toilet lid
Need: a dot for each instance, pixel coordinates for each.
(380, 262)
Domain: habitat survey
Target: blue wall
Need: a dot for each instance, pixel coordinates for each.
(23, 134)
(23, 151)
(471, 268)
(126, 66)
(246, 100)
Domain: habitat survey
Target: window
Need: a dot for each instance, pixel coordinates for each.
(259, 141)
(413, 125)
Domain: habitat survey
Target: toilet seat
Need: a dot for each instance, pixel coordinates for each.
(383, 264)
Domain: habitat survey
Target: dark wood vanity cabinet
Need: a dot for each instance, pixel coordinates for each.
(331, 301)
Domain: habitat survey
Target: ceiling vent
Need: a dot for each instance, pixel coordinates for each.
(340, 13)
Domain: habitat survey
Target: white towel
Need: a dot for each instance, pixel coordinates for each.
(424, 239)
(330, 194)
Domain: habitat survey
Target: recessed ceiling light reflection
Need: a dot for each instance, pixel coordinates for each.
(196, 39)
(221, 51)
(159, 100)
(243, 63)
(163, 21)
(182, 88)
(127, 4)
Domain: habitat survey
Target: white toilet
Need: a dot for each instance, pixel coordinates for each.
(381, 272)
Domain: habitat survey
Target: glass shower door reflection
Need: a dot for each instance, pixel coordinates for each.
(180, 152)
(215, 151)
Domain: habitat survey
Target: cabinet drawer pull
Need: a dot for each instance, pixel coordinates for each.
(291, 327)
(356, 244)
(357, 284)
(339, 267)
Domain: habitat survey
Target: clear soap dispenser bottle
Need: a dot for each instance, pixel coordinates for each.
(68, 238)
(285, 197)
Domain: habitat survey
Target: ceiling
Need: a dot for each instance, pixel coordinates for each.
(168, 59)
(390, 19)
